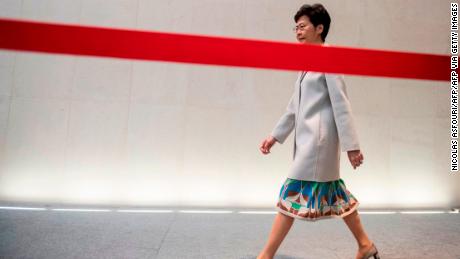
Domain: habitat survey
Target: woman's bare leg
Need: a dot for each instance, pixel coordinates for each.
(281, 226)
(354, 224)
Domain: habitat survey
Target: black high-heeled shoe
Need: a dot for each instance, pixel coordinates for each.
(372, 253)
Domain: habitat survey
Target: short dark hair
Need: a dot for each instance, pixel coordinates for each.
(317, 15)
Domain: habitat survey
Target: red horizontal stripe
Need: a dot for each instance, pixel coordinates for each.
(146, 45)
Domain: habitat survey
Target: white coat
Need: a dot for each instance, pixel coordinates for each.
(320, 114)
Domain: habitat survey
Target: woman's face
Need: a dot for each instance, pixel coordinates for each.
(306, 32)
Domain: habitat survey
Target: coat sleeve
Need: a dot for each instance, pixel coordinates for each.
(286, 123)
(343, 114)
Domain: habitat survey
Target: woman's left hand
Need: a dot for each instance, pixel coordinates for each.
(356, 158)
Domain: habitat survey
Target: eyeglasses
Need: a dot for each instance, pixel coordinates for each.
(300, 27)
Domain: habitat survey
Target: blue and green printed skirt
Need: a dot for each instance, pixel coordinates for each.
(311, 200)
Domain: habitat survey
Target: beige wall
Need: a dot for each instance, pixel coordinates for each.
(109, 131)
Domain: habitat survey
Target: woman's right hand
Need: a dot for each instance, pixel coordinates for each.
(267, 144)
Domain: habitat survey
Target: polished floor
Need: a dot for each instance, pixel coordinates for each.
(57, 232)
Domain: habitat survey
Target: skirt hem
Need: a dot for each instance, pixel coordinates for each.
(287, 213)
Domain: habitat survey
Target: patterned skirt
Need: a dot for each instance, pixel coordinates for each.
(311, 200)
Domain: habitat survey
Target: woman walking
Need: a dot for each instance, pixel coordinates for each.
(320, 115)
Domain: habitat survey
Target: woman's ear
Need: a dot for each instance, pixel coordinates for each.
(319, 29)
